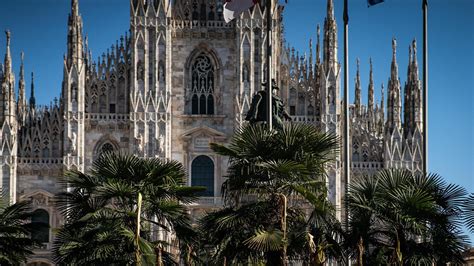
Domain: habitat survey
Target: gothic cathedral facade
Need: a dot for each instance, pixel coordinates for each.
(179, 80)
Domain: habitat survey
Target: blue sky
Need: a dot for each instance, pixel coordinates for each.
(39, 28)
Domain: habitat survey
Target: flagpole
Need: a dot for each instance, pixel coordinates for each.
(346, 116)
(269, 64)
(425, 86)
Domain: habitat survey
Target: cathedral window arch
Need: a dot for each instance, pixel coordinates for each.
(202, 174)
(105, 146)
(203, 80)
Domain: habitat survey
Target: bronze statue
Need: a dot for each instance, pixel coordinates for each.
(258, 109)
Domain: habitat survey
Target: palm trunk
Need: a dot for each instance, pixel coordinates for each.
(188, 255)
(159, 255)
(398, 250)
(360, 247)
(283, 227)
(137, 239)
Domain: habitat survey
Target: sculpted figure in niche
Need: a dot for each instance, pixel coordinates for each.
(161, 142)
(72, 143)
(74, 93)
(161, 72)
(140, 71)
(139, 142)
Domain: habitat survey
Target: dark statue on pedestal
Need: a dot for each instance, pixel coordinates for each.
(258, 109)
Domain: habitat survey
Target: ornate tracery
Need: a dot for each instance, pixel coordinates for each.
(202, 82)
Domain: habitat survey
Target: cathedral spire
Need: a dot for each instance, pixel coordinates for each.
(21, 104)
(318, 46)
(417, 109)
(330, 11)
(8, 57)
(74, 42)
(357, 100)
(370, 105)
(407, 106)
(330, 40)
(382, 100)
(8, 105)
(75, 7)
(394, 99)
(394, 69)
(32, 96)
(414, 61)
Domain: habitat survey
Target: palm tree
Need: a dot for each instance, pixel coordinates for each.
(405, 218)
(271, 175)
(104, 212)
(16, 228)
(469, 212)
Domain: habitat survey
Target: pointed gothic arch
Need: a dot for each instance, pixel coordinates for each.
(105, 144)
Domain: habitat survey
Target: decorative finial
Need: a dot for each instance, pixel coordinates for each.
(358, 64)
(318, 29)
(22, 54)
(370, 61)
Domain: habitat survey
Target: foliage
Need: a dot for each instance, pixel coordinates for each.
(101, 210)
(405, 218)
(16, 228)
(276, 197)
(469, 212)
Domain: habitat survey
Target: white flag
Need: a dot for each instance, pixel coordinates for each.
(233, 8)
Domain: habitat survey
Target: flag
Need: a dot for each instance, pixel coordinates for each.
(373, 2)
(233, 8)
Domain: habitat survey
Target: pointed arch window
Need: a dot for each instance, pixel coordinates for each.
(202, 82)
